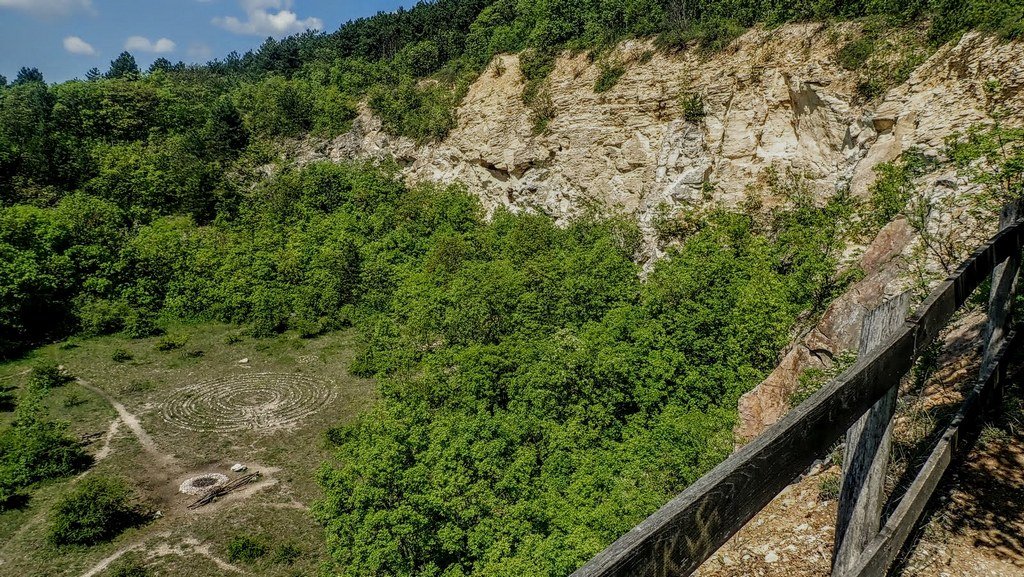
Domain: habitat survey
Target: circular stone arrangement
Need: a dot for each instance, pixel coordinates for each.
(260, 401)
(202, 483)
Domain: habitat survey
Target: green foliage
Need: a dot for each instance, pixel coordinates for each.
(123, 66)
(538, 399)
(811, 238)
(894, 187)
(7, 400)
(246, 548)
(33, 449)
(710, 34)
(829, 487)
(94, 511)
(128, 568)
(422, 111)
(72, 399)
(535, 66)
(890, 192)
(173, 342)
(121, 356)
(854, 54)
(992, 155)
(693, 106)
(952, 17)
(275, 107)
(48, 375)
(543, 112)
(140, 324)
(609, 74)
(137, 386)
(286, 554)
(812, 379)
(28, 75)
(883, 55)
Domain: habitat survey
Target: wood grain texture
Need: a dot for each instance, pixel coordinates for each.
(1004, 288)
(884, 548)
(677, 538)
(868, 443)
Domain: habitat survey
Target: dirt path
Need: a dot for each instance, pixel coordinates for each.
(108, 560)
(16, 375)
(976, 525)
(105, 450)
(133, 424)
(186, 548)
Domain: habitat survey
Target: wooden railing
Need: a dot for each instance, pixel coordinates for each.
(860, 403)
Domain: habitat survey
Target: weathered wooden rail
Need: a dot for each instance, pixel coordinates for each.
(860, 403)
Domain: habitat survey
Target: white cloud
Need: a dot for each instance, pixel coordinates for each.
(48, 7)
(143, 44)
(199, 51)
(76, 45)
(268, 18)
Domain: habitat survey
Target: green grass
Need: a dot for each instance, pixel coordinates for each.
(141, 383)
(608, 75)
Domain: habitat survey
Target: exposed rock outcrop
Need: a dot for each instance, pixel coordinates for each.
(837, 331)
(775, 99)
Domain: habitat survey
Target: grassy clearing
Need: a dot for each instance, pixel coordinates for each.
(137, 374)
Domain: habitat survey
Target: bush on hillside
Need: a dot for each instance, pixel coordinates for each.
(96, 510)
(128, 568)
(48, 375)
(34, 449)
(246, 548)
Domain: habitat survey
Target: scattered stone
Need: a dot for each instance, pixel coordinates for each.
(244, 361)
(238, 468)
(771, 557)
(760, 549)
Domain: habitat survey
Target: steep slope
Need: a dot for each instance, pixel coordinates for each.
(777, 101)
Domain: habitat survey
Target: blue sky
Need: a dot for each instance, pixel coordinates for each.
(65, 38)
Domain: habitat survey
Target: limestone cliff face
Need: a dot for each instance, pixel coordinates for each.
(775, 99)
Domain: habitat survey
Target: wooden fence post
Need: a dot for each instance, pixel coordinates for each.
(866, 457)
(1001, 296)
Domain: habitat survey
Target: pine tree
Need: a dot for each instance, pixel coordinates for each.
(27, 75)
(124, 66)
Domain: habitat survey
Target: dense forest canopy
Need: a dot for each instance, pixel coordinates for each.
(537, 398)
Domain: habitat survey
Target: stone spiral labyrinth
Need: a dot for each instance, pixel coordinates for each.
(259, 402)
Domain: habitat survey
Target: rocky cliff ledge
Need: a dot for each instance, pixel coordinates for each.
(774, 99)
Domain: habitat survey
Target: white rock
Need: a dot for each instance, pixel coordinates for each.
(771, 557)
(238, 467)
